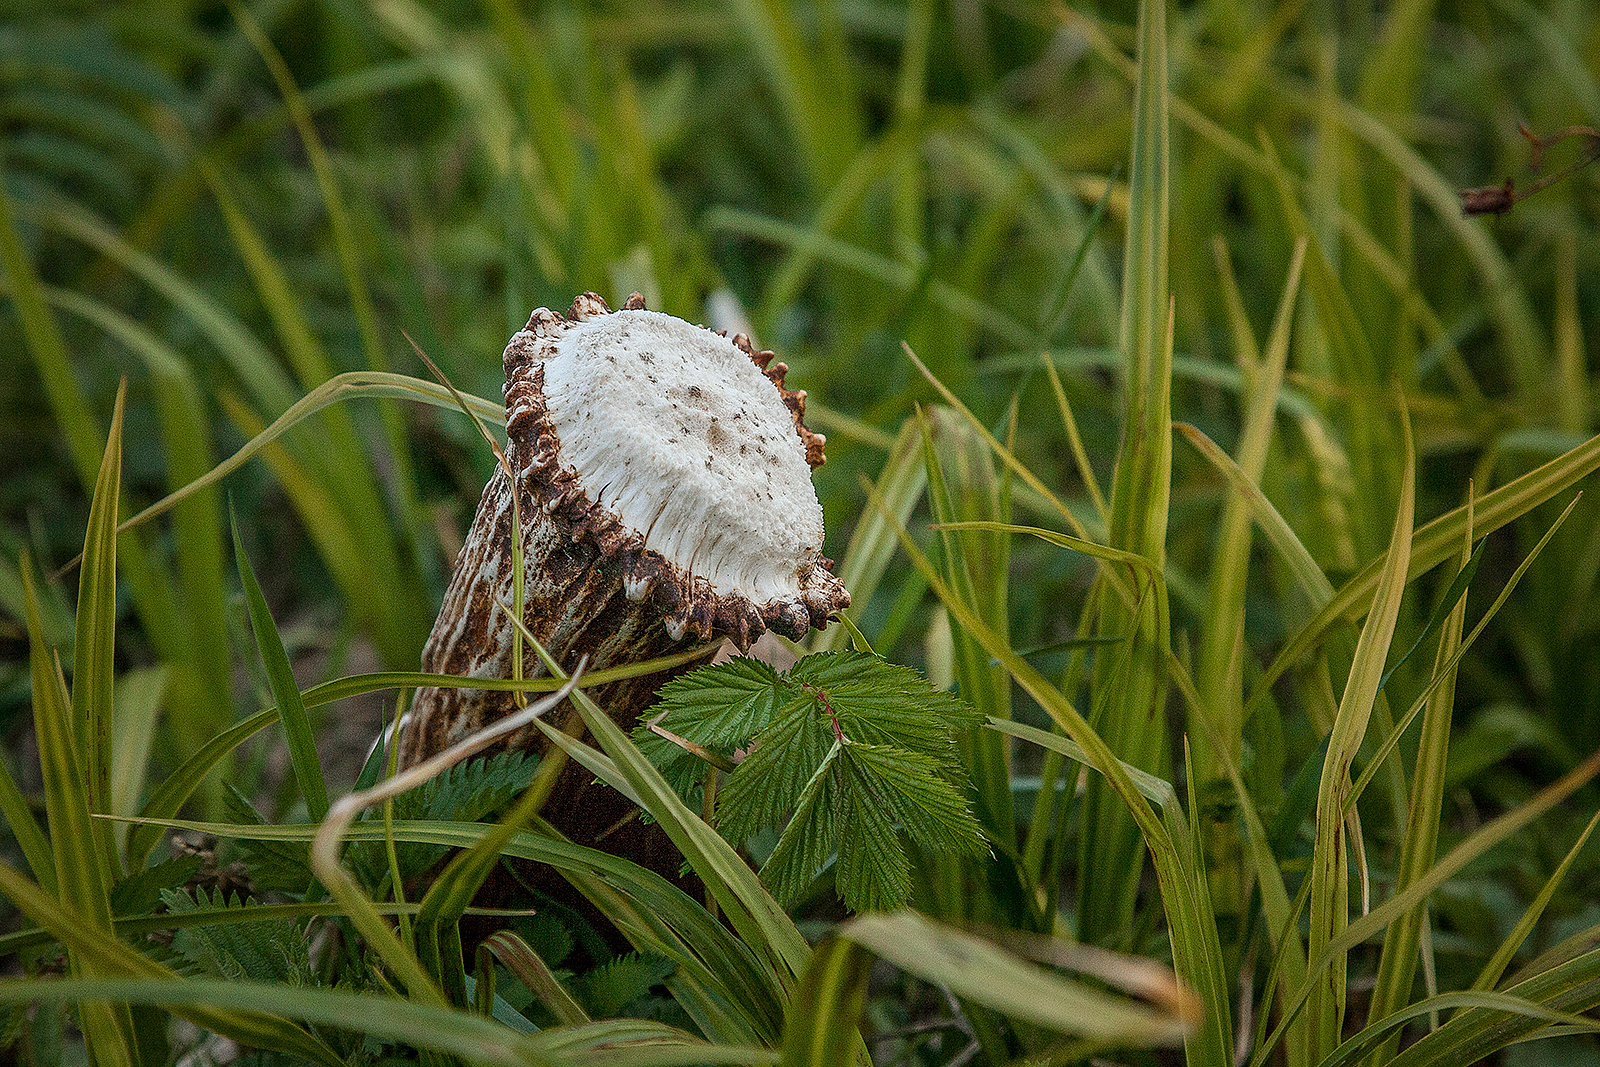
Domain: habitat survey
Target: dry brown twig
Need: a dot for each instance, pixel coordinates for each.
(1499, 199)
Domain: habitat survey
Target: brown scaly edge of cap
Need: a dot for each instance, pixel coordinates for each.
(687, 602)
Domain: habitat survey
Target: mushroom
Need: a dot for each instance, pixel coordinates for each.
(663, 474)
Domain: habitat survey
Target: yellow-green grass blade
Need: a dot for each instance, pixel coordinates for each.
(1197, 954)
(749, 907)
(1386, 1030)
(1403, 940)
(25, 828)
(1329, 900)
(368, 521)
(662, 919)
(901, 277)
(1219, 672)
(1130, 703)
(197, 647)
(168, 797)
(94, 647)
(1492, 971)
(982, 971)
(1431, 545)
(352, 384)
(638, 1043)
(139, 697)
(518, 957)
(1477, 1033)
(822, 1026)
(810, 80)
(1288, 971)
(976, 557)
(250, 360)
(135, 926)
(474, 1039)
(1452, 863)
(350, 474)
(872, 543)
(1444, 667)
(280, 679)
(85, 862)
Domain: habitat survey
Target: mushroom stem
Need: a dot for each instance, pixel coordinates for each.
(662, 475)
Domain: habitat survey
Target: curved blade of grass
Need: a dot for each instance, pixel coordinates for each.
(518, 957)
(1475, 1034)
(749, 907)
(1197, 953)
(170, 796)
(664, 920)
(352, 384)
(977, 969)
(1329, 904)
(1387, 1028)
(330, 835)
(474, 1039)
(1489, 977)
(1430, 546)
(280, 677)
(822, 1026)
(1470, 849)
(108, 959)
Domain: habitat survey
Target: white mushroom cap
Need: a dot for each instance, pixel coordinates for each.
(675, 430)
(684, 448)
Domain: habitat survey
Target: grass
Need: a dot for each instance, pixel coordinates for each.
(1168, 392)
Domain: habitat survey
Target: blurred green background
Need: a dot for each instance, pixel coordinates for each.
(229, 204)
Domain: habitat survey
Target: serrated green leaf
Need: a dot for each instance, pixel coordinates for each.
(904, 787)
(607, 989)
(274, 950)
(772, 779)
(873, 872)
(138, 894)
(275, 866)
(808, 840)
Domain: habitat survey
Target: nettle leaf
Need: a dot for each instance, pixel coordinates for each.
(719, 707)
(263, 950)
(859, 750)
(274, 866)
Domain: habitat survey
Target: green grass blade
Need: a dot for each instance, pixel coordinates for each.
(474, 1039)
(872, 543)
(1219, 672)
(370, 384)
(1403, 940)
(25, 829)
(982, 971)
(1197, 954)
(85, 862)
(1452, 863)
(280, 678)
(1329, 902)
(749, 907)
(822, 1025)
(94, 650)
(1431, 545)
(1492, 971)
(1130, 709)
